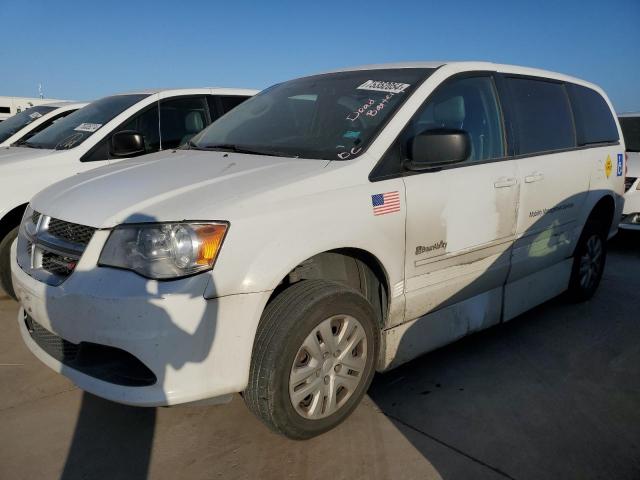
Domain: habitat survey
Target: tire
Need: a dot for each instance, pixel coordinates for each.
(5, 264)
(589, 261)
(293, 317)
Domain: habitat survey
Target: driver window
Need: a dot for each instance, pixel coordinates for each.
(146, 123)
(467, 104)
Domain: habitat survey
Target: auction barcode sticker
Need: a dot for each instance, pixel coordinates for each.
(381, 86)
(88, 127)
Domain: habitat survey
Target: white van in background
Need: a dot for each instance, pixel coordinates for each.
(10, 106)
(24, 125)
(630, 124)
(330, 226)
(103, 132)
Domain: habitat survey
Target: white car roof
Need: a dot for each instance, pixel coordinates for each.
(194, 91)
(472, 65)
(67, 105)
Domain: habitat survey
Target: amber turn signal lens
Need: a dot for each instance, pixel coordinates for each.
(210, 237)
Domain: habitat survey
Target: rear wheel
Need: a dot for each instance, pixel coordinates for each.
(589, 262)
(5, 264)
(313, 359)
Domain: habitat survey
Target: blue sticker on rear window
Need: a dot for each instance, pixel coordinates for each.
(620, 165)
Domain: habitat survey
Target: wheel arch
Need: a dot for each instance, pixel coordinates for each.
(601, 208)
(354, 267)
(11, 219)
(603, 211)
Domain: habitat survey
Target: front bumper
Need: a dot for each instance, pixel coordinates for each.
(196, 348)
(630, 222)
(631, 213)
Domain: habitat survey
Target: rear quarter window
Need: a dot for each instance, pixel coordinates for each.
(542, 114)
(593, 118)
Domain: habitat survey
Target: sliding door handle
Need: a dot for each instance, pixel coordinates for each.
(534, 177)
(505, 182)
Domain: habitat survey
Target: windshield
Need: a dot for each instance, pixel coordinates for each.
(74, 129)
(631, 132)
(14, 124)
(333, 116)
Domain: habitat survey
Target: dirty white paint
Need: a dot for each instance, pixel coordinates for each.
(405, 342)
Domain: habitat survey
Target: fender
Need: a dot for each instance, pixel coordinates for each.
(259, 251)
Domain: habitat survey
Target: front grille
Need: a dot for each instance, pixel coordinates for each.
(57, 347)
(103, 362)
(71, 232)
(628, 183)
(49, 248)
(58, 264)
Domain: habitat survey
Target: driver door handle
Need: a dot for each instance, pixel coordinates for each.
(534, 177)
(505, 182)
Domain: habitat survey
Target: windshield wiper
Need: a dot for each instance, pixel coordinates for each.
(188, 145)
(230, 147)
(24, 143)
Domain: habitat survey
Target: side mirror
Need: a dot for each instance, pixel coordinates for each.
(435, 148)
(127, 143)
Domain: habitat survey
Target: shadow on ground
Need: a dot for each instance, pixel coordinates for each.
(551, 394)
(111, 440)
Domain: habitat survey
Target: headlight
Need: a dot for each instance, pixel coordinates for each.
(29, 222)
(164, 250)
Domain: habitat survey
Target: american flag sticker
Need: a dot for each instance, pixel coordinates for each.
(384, 203)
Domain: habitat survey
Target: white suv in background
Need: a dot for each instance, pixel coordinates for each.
(329, 226)
(630, 123)
(26, 124)
(10, 106)
(103, 132)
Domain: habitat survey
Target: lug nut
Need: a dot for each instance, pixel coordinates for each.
(337, 368)
(326, 380)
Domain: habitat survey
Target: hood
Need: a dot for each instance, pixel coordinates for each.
(10, 155)
(171, 186)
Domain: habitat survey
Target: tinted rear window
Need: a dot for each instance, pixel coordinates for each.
(594, 121)
(542, 114)
(631, 132)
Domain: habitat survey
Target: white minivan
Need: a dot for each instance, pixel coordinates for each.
(328, 227)
(26, 124)
(630, 123)
(103, 132)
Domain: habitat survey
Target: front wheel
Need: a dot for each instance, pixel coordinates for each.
(5, 265)
(588, 262)
(313, 358)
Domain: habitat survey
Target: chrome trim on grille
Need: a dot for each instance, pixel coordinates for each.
(49, 248)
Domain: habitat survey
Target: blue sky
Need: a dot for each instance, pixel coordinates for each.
(84, 50)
